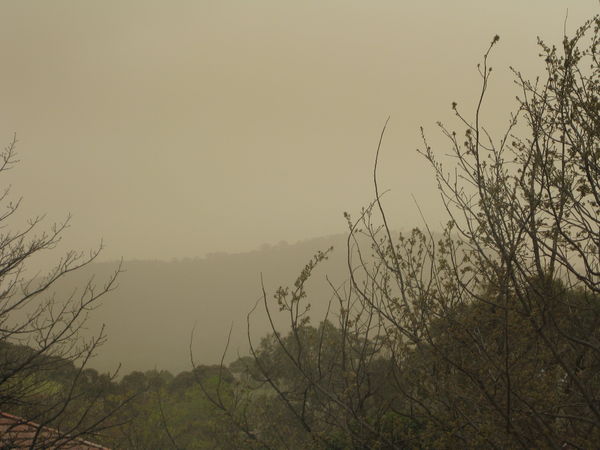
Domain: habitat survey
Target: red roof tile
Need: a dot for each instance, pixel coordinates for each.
(18, 433)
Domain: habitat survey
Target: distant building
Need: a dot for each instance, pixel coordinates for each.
(18, 433)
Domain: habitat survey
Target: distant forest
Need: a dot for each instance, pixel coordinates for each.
(150, 316)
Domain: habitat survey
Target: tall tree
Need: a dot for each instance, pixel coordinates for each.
(488, 334)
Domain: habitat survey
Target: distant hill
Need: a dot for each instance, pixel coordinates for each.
(150, 316)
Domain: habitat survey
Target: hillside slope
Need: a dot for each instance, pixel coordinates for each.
(150, 316)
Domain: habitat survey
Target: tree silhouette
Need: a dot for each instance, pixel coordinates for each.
(43, 354)
(486, 335)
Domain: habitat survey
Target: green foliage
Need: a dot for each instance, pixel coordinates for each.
(144, 410)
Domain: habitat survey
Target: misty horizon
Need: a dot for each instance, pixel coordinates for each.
(203, 127)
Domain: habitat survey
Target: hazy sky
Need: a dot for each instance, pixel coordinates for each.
(177, 128)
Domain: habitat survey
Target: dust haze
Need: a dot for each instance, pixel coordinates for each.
(175, 130)
(179, 129)
(207, 144)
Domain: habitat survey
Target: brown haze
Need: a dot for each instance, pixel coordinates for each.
(177, 129)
